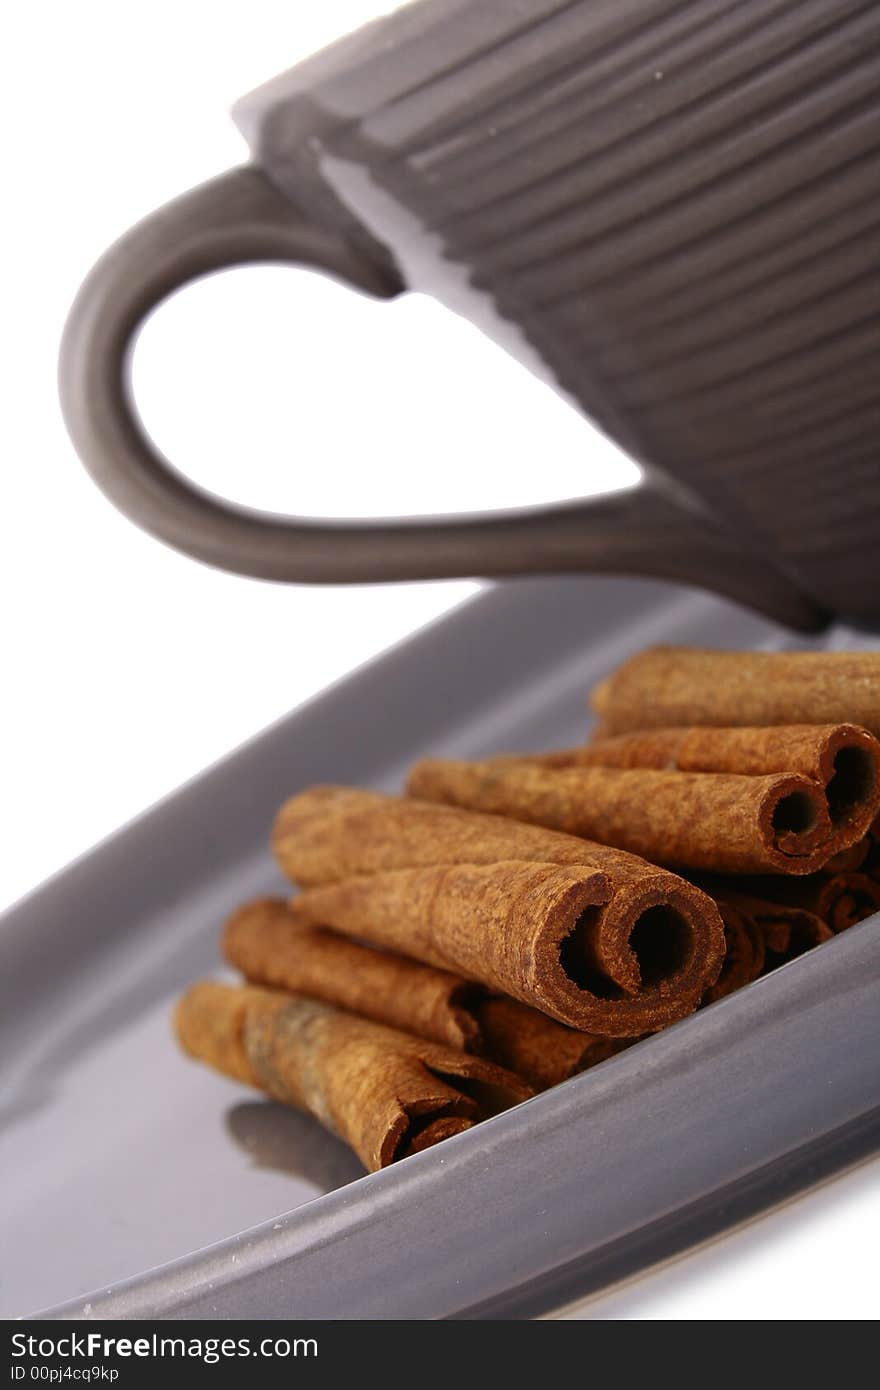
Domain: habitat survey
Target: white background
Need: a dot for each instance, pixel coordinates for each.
(127, 668)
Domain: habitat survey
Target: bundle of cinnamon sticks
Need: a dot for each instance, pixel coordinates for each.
(510, 922)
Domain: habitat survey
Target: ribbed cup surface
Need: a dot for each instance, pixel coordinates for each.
(677, 201)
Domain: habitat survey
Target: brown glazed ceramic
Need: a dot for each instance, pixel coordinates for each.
(669, 208)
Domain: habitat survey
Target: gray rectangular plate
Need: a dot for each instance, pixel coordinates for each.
(168, 1191)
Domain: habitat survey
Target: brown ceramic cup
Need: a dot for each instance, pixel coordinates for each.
(669, 207)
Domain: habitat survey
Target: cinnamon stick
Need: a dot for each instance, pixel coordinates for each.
(788, 930)
(507, 925)
(272, 944)
(725, 823)
(596, 938)
(329, 833)
(872, 858)
(849, 860)
(542, 1052)
(744, 954)
(761, 935)
(386, 1093)
(839, 900)
(842, 758)
(665, 687)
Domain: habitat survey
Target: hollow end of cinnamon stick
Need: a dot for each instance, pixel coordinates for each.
(788, 932)
(647, 959)
(267, 941)
(383, 1091)
(839, 901)
(524, 910)
(616, 964)
(710, 822)
(850, 771)
(783, 911)
(845, 899)
(842, 758)
(795, 825)
(744, 955)
(421, 1136)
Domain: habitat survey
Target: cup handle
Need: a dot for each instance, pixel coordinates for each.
(241, 217)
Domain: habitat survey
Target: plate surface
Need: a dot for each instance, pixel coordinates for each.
(121, 1156)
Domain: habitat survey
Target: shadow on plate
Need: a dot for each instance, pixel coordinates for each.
(276, 1137)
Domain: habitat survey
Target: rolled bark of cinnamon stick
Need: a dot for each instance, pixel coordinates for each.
(537, 1048)
(386, 1093)
(761, 935)
(665, 687)
(839, 900)
(596, 938)
(541, 1051)
(506, 925)
(327, 833)
(844, 759)
(872, 858)
(719, 822)
(850, 860)
(272, 944)
(787, 930)
(745, 951)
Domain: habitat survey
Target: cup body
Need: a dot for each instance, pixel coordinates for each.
(669, 211)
